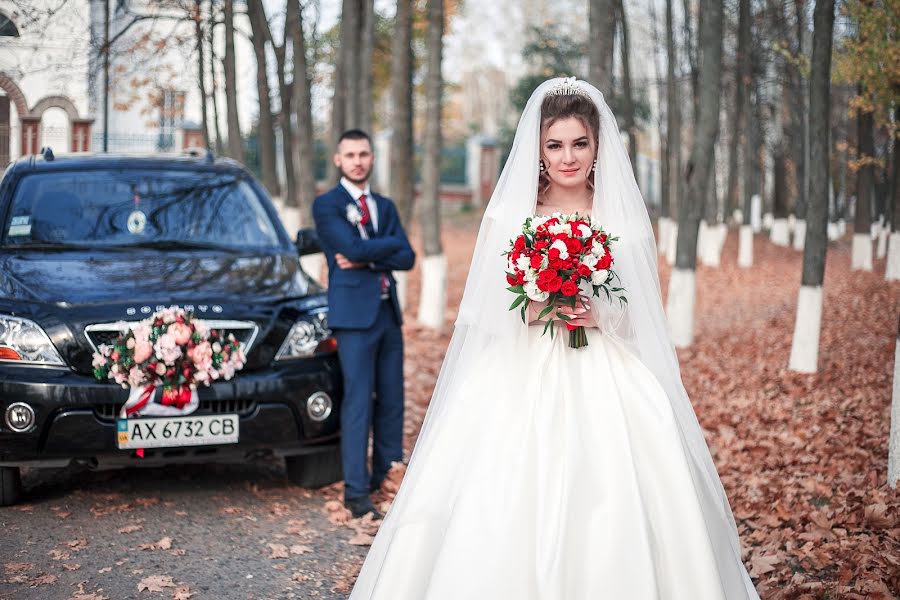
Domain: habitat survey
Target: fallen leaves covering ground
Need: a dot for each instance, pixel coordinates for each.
(802, 457)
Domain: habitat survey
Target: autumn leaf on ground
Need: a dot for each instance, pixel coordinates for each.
(278, 551)
(231, 510)
(57, 554)
(43, 579)
(182, 592)
(71, 566)
(145, 502)
(80, 594)
(77, 545)
(163, 544)
(300, 549)
(131, 528)
(155, 583)
(15, 568)
(361, 539)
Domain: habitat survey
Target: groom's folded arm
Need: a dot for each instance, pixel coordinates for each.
(334, 228)
(404, 258)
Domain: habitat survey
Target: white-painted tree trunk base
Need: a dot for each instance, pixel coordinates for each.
(805, 345)
(894, 441)
(314, 266)
(800, 235)
(892, 271)
(433, 294)
(672, 243)
(680, 306)
(290, 218)
(842, 227)
(664, 224)
(792, 222)
(745, 246)
(738, 215)
(713, 241)
(834, 231)
(767, 221)
(780, 234)
(861, 255)
(703, 235)
(881, 248)
(756, 213)
(401, 278)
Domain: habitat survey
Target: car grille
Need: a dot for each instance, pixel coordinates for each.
(106, 333)
(241, 407)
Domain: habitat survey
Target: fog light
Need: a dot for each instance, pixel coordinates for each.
(19, 417)
(319, 406)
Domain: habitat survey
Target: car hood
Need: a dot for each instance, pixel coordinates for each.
(79, 278)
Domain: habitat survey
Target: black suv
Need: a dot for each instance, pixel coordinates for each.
(90, 243)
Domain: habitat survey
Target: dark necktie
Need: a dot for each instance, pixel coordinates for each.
(370, 226)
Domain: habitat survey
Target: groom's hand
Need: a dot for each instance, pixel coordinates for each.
(344, 263)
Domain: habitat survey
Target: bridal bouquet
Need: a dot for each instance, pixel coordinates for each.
(170, 350)
(552, 259)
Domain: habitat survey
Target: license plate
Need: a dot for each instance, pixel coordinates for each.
(177, 431)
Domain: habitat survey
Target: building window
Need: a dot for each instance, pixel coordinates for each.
(171, 117)
(7, 27)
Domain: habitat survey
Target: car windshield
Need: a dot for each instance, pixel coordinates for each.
(127, 207)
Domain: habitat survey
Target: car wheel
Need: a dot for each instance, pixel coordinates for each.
(315, 469)
(10, 485)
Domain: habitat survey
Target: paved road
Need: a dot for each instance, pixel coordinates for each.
(208, 528)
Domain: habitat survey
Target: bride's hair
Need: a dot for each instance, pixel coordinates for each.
(563, 106)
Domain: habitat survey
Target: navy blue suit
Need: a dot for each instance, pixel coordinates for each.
(367, 329)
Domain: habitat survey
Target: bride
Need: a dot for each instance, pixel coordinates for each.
(544, 472)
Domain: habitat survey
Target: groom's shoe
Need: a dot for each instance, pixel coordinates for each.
(360, 507)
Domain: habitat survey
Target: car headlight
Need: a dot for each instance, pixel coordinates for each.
(308, 336)
(23, 341)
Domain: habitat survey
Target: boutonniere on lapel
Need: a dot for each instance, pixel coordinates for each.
(357, 219)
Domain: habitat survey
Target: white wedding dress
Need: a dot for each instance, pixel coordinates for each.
(544, 472)
(555, 474)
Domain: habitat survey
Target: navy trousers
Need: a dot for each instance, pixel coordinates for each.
(372, 362)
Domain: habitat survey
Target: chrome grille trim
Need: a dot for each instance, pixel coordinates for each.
(240, 407)
(250, 328)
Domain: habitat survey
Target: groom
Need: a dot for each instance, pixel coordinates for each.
(363, 240)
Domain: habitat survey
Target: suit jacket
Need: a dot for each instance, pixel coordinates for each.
(354, 295)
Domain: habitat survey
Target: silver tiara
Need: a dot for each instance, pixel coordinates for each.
(567, 87)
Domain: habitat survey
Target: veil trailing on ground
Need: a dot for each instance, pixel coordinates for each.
(485, 326)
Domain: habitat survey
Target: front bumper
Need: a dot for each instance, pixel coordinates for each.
(75, 416)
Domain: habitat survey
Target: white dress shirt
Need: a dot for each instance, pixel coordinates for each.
(355, 192)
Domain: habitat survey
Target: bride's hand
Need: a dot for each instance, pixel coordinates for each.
(581, 315)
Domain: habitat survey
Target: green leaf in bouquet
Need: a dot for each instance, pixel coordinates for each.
(548, 325)
(517, 289)
(547, 310)
(563, 317)
(517, 301)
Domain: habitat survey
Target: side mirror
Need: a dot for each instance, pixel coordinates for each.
(307, 241)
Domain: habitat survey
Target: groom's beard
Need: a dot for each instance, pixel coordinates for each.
(357, 180)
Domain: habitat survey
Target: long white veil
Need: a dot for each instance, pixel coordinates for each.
(485, 324)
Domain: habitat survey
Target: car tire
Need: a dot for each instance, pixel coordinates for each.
(315, 469)
(10, 485)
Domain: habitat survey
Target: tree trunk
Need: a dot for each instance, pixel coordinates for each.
(366, 75)
(235, 145)
(673, 116)
(284, 114)
(433, 296)
(799, 119)
(601, 25)
(682, 283)
(627, 95)
(338, 101)
(266, 127)
(402, 183)
(740, 91)
(351, 18)
(302, 102)
(214, 94)
(861, 257)
(892, 270)
(201, 69)
(805, 345)
(693, 52)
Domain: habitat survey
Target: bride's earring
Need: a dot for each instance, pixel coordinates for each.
(595, 165)
(542, 166)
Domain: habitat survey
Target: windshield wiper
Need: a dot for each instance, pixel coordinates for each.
(59, 246)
